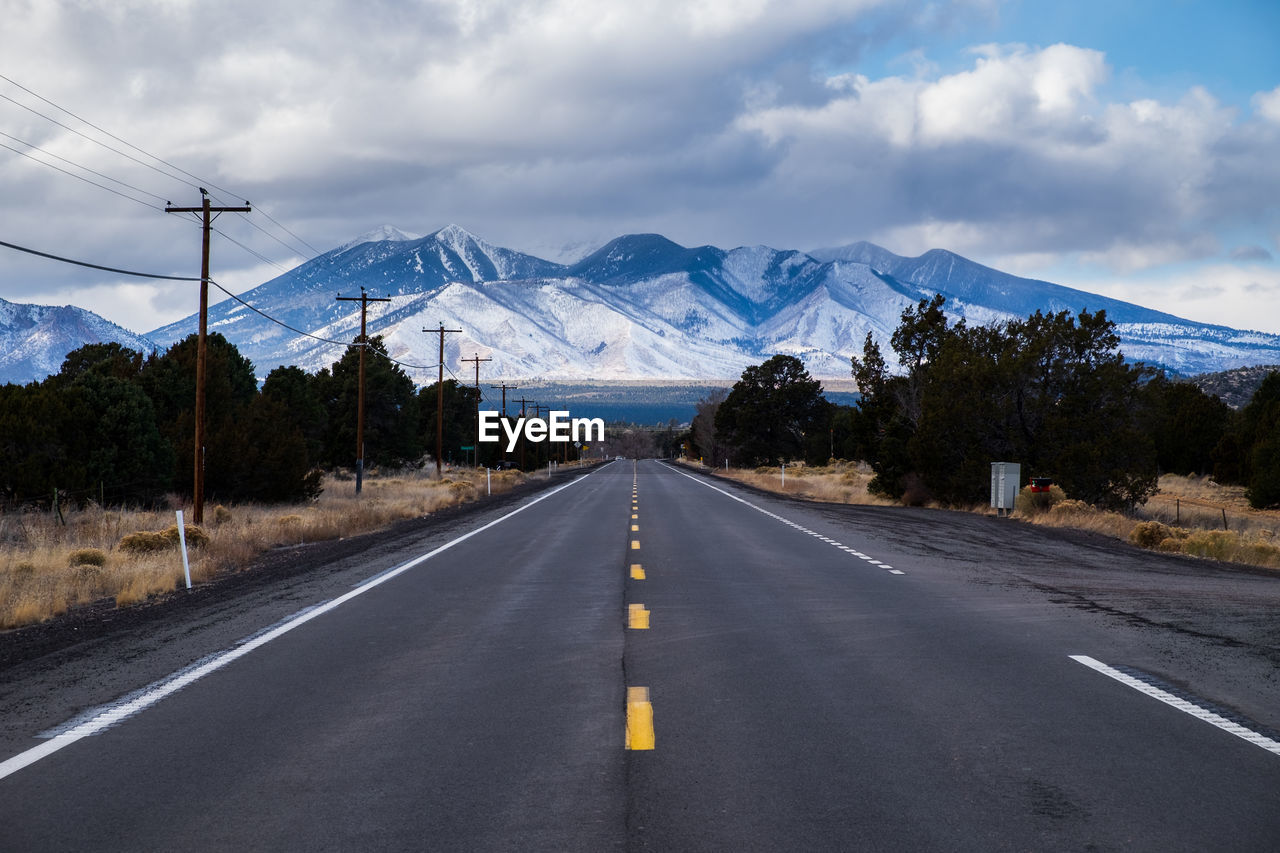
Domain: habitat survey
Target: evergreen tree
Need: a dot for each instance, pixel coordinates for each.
(459, 426)
(770, 411)
(702, 431)
(1186, 425)
(1249, 453)
(297, 393)
(391, 435)
(1051, 392)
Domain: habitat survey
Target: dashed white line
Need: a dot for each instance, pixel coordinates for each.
(1181, 704)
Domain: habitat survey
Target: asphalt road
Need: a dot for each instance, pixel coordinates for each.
(810, 678)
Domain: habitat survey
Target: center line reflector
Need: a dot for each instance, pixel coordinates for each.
(639, 719)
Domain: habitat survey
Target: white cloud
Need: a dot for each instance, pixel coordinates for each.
(1011, 91)
(1267, 104)
(1243, 296)
(568, 122)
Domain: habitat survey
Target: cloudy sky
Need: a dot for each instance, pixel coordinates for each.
(1129, 148)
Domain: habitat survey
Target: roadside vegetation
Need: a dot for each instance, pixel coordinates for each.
(1187, 515)
(49, 565)
(1130, 453)
(95, 459)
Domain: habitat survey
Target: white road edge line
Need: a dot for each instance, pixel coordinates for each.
(168, 686)
(779, 518)
(1181, 704)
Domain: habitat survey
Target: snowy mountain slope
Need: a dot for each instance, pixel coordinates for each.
(541, 328)
(35, 339)
(305, 297)
(643, 306)
(640, 307)
(949, 273)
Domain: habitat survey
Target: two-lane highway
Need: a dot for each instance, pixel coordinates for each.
(812, 693)
(649, 659)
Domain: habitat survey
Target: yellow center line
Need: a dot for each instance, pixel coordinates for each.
(634, 516)
(639, 719)
(637, 573)
(635, 544)
(635, 528)
(637, 617)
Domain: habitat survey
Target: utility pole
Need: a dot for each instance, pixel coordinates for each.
(440, 394)
(207, 214)
(477, 359)
(363, 342)
(505, 388)
(523, 403)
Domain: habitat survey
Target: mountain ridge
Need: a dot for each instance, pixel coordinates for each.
(641, 307)
(644, 306)
(35, 339)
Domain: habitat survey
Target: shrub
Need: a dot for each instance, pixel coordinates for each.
(88, 573)
(1215, 544)
(914, 491)
(87, 557)
(462, 491)
(1149, 534)
(1071, 506)
(289, 521)
(144, 542)
(1029, 503)
(221, 515)
(196, 537)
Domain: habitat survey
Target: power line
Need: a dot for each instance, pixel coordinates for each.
(260, 257)
(229, 294)
(98, 142)
(65, 260)
(294, 249)
(107, 133)
(99, 266)
(77, 165)
(313, 249)
(81, 177)
(144, 152)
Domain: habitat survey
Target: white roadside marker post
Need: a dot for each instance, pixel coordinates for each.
(182, 541)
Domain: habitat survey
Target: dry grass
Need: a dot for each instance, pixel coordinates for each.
(1186, 516)
(838, 482)
(47, 568)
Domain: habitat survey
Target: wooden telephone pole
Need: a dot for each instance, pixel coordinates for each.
(477, 359)
(208, 215)
(364, 299)
(523, 403)
(440, 394)
(505, 388)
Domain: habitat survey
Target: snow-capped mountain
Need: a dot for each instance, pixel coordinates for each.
(644, 307)
(34, 339)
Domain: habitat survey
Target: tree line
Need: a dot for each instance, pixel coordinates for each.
(115, 426)
(1052, 391)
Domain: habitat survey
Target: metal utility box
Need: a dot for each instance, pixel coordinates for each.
(1005, 477)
